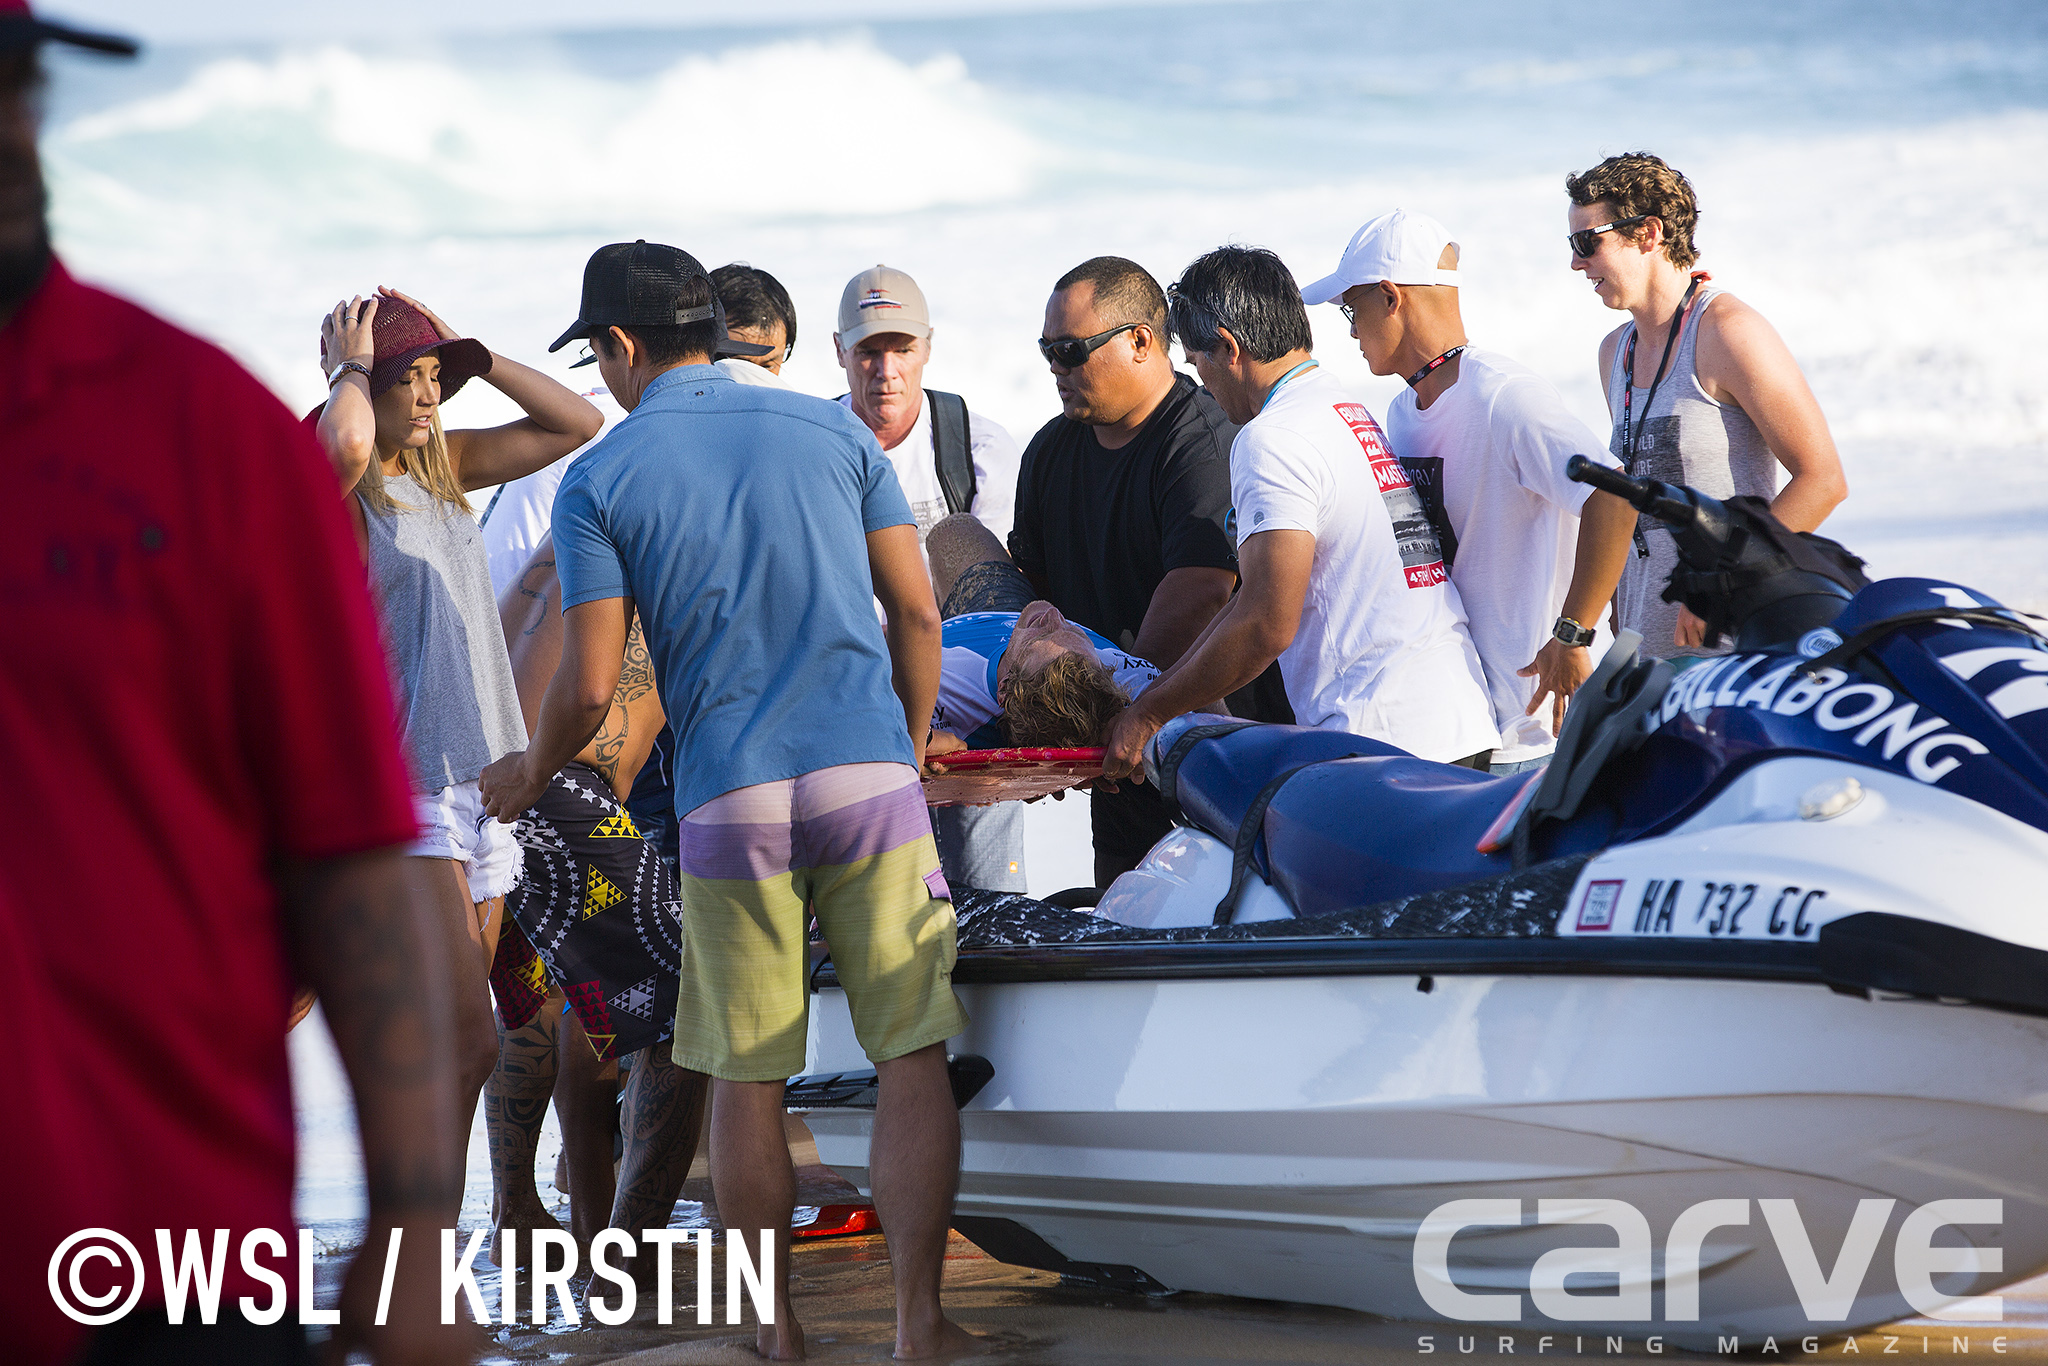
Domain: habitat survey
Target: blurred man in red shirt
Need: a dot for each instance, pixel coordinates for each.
(204, 793)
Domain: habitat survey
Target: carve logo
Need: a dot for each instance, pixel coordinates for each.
(1626, 1263)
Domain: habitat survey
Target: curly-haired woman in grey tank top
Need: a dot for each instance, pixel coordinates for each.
(390, 363)
(1701, 389)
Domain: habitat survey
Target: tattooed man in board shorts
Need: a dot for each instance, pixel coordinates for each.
(586, 967)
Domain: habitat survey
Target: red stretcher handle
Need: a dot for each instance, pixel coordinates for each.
(978, 777)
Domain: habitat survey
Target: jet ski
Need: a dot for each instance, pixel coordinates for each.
(1732, 1022)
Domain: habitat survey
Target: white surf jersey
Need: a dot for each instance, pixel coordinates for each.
(1381, 650)
(970, 647)
(1496, 443)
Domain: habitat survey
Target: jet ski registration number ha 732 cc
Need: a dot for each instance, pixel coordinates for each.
(1701, 907)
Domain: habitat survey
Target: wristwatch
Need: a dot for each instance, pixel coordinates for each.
(1571, 633)
(334, 375)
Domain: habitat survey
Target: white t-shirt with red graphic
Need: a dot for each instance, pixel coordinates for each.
(1498, 439)
(1382, 649)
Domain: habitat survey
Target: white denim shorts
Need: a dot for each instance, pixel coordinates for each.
(453, 825)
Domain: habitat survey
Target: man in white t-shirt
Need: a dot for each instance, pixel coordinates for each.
(948, 460)
(515, 519)
(1342, 580)
(883, 343)
(1485, 441)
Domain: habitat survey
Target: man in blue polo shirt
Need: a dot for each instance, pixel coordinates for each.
(736, 520)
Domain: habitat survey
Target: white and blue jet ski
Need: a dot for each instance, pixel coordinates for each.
(1770, 933)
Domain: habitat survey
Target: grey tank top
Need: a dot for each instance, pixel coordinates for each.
(456, 704)
(1687, 438)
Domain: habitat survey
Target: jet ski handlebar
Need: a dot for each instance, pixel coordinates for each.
(1740, 570)
(1702, 526)
(1662, 501)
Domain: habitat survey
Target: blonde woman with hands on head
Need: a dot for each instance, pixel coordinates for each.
(390, 364)
(1701, 388)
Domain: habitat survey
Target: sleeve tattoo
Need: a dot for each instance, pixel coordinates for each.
(635, 679)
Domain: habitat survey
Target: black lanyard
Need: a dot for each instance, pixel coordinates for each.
(1423, 373)
(1632, 433)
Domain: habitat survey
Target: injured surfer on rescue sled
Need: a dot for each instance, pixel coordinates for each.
(1012, 670)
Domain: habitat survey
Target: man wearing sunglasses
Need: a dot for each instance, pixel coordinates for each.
(758, 310)
(1344, 583)
(1701, 389)
(1485, 440)
(1122, 501)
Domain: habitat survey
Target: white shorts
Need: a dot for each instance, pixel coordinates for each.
(453, 825)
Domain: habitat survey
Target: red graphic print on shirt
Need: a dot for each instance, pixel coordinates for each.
(1422, 560)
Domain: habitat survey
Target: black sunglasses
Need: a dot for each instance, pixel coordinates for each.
(1071, 353)
(1586, 241)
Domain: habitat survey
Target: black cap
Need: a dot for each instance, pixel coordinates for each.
(635, 284)
(19, 28)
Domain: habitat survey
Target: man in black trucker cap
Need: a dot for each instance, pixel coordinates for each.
(636, 285)
(753, 529)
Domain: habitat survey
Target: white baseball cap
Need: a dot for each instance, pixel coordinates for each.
(883, 299)
(1399, 247)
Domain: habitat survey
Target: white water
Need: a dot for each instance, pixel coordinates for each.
(1872, 176)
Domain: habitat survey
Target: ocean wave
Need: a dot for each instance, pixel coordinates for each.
(331, 143)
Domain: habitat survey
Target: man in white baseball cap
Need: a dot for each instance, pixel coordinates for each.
(1485, 441)
(948, 460)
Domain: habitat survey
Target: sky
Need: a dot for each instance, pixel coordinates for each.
(155, 21)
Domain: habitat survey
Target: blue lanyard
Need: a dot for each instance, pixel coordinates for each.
(1305, 365)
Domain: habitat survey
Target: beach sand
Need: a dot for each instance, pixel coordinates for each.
(844, 1300)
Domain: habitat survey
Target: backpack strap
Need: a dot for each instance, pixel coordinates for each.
(952, 449)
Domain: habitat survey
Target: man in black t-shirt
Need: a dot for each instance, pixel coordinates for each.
(1121, 503)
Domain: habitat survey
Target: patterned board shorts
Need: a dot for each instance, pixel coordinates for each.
(597, 913)
(854, 844)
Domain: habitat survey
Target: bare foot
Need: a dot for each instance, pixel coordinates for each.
(527, 1219)
(941, 1342)
(782, 1340)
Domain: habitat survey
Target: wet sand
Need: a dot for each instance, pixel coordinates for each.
(844, 1300)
